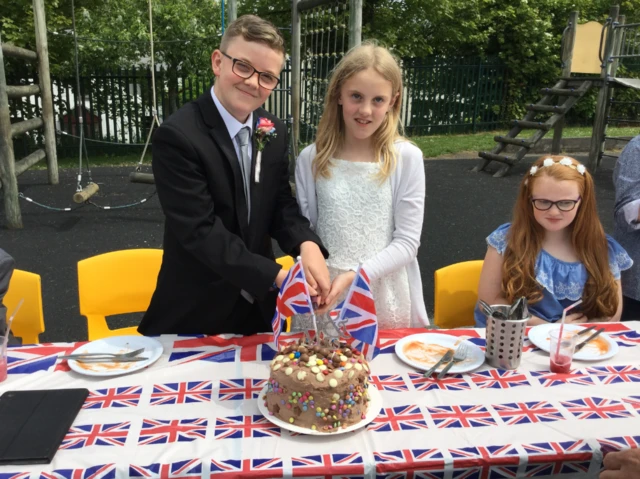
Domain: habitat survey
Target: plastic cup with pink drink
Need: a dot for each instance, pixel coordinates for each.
(562, 347)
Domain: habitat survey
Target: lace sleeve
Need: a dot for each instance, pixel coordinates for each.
(498, 239)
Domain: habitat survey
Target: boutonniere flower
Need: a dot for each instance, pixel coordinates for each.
(265, 130)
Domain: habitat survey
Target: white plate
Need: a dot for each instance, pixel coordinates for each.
(539, 335)
(373, 410)
(117, 344)
(475, 355)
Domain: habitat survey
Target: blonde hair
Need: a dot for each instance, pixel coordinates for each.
(524, 242)
(254, 29)
(330, 135)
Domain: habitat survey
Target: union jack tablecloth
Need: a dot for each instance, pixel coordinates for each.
(193, 414)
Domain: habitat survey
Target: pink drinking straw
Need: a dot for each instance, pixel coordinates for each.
(564, 314)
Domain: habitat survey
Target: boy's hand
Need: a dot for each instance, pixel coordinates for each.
(339, 285)
(315, 270)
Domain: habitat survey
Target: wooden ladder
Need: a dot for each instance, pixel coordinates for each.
(9, 168)
(554, 105)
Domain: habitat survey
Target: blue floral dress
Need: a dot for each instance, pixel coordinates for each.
(562, 282)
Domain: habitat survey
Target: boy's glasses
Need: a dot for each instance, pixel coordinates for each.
(563, 205)
(244, 70)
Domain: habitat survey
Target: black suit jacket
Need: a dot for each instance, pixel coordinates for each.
(211, 251)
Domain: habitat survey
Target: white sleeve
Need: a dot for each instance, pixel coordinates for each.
(630, 211)
(408, 216)
(305, 185)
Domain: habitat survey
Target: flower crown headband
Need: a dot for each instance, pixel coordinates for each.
(564, 161)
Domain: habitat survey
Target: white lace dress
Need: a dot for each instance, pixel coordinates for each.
(355, 222)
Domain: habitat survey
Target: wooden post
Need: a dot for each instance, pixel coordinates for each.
(42, 49)
(7, 158)
(567, 57)
(295, 72)
(355, 23)
(599, 124)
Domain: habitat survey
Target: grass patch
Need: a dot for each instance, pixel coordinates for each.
(431, 146)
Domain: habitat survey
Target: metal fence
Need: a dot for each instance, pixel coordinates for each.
(442, 95)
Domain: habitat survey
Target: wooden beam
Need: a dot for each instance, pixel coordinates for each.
(7, 159)
(28, 161)
(42, 48)
(17, 52)
(18, 91)
(25, 126)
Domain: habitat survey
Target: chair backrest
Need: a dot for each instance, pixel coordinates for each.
(115, 283)
(456, 294)
(285, 261)
(29, 322)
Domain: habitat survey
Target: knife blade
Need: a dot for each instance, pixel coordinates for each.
(586, 330)
(590, 338)
(109, 360)
(448, 356)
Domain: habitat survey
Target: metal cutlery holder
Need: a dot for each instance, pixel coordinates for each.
(504, 340)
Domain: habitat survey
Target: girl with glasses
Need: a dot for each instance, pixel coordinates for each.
(555, 251)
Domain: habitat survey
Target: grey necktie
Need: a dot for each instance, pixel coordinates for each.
(245, 164)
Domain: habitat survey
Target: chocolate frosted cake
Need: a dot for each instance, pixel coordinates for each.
(318, 386)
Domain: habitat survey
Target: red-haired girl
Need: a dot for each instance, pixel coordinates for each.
(555, 251)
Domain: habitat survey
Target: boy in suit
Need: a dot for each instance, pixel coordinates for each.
(223, 184)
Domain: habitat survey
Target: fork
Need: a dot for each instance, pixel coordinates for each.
(459, 355)
(129, 354)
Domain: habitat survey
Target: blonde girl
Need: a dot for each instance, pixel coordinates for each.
(362, 186)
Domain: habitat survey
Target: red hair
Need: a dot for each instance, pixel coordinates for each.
(524, 241)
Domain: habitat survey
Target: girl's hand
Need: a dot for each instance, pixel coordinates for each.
(576, 318)
(338, 286)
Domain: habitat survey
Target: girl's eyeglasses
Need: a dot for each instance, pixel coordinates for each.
(244, 70)
(563, 205)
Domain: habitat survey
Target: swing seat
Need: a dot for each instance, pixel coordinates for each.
(29, 320)
(118, 282)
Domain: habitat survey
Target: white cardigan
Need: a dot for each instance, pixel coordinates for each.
(408, 189)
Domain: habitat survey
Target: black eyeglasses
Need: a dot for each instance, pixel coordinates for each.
(563, 205)
(244, 70)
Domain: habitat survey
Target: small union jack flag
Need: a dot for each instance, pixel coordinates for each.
(236, 427)
(485, 462)
(627, 339)
(181, 393)
(358, 314)
(38, 357)
(15, 475)
(240, 389)
(127, 396)
(328, 465)
(596, 408)
(293, 298)
(174, 470)
(461, 416)
(527, 412)
(611, 444)
(399, 418)
(634, 401)
(615, 374)
(96, 435)
(451, 382)
(246, 468)
(107, 471)
(166, 431)
(389, 382)
(410, 464)
(549, 379)
(553, 458)
(499, 379)
(222, 356)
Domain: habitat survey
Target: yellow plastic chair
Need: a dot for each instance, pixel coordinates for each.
(456, 294)
(116, 283)
(286, 262)
(29, 321)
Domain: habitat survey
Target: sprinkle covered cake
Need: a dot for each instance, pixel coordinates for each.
(318, 386)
